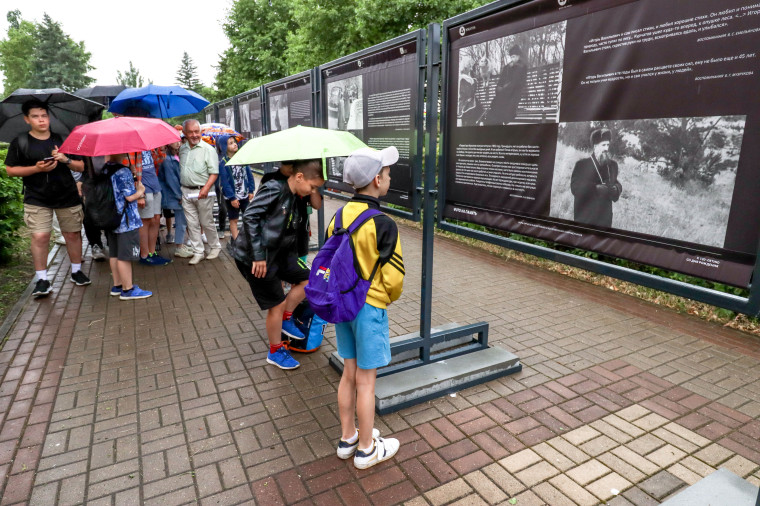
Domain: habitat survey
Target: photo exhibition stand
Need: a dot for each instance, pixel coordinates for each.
(442, 360)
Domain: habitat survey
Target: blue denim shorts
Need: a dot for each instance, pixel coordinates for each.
(365, 338)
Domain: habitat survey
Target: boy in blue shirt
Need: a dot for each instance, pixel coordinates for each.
(124, 241)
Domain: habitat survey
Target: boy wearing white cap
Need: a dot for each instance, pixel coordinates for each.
(364, 342)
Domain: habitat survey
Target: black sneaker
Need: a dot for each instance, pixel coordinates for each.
(80, 279)
(42, 288)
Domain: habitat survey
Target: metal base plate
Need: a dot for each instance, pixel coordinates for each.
(717, 489)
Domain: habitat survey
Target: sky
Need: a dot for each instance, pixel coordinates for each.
(153, 34)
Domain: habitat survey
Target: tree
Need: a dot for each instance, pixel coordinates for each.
(131, 77)
(257, 31)
(17, 53)
(187, 74)
(59, 62)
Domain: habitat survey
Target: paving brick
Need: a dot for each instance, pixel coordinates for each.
(637, 497)
(666, 455)
(684, 474)
(605, 487)
(662, 485)
(520, 461)
(506, 481)
(598, 445)
(536, 473)
(568, 450)
(485, 487)
(418, 473)
(621, 467)
(740, 466)
(645, 444)
(381, 479)
(553, 456)
(394, 495)
(457, 450)
(266, 492)
(448, 492)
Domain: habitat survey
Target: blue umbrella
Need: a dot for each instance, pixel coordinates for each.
(157, 102)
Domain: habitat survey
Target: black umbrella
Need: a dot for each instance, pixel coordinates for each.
(101, 94)
(66, 111)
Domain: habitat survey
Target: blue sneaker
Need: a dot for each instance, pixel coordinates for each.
(290, 329)
(282, 359)
(156, 259)
(135, 293)
(145, 261)
(115, 290)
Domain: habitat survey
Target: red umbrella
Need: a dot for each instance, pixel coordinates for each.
(118, 135)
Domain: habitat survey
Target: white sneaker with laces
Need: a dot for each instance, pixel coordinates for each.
(213, 253)
(382, 449)
(184, 251)
(346, 450)
(196, 259)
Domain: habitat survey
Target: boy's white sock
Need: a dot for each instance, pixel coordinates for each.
(367, 450)
(76, 268)
(41, 274)
(353, 438)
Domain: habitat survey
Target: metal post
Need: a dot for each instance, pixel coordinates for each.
(317, 121)
(428, 216)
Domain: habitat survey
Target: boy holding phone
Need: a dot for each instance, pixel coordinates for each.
(48, 188)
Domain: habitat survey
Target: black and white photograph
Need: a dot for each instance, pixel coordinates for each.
(245, 117)
(668, 177)
(227, 116)
(516, 79)
(278, 110)
(345, 104)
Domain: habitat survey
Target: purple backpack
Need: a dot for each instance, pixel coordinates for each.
(336, 290)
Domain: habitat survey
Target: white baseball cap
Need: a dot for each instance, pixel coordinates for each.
(364, 164)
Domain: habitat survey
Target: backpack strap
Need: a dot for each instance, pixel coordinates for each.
(363, 218)
(23, 144)
(360, 220)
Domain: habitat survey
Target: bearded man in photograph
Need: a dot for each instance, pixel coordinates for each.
(595, 184)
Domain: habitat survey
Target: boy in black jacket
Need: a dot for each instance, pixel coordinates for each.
(265, 252)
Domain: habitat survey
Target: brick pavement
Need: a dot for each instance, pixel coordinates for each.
(169, 400)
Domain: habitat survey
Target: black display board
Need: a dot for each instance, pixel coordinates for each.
(374, 94)
(623, 127)
(288, 102)
(249, 114)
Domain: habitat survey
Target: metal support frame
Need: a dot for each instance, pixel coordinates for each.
(425, 344)
(749, 305)
(316, 120)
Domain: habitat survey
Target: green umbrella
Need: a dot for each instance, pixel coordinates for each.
(297, 143)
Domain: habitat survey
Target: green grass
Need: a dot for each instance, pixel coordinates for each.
(15, 275)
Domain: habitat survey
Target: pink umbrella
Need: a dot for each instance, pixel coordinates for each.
(118, 135)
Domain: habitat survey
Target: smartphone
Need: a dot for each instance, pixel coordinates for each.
(48, 159)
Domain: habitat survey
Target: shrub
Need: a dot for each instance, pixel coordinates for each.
(11, 209)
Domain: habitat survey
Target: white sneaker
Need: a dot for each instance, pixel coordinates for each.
(196, 259)
(184, 252)
(203, 238)
(346, 450)
(97, 253)
(213, 253)
(220, 233)
(382, 449)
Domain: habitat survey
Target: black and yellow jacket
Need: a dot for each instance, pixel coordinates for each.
(377, 238)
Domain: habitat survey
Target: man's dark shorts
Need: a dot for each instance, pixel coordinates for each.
(124, 246)
(268, 291)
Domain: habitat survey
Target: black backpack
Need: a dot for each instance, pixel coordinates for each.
(99, 202)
